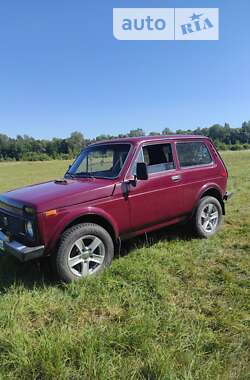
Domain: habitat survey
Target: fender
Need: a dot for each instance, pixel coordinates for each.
(53, 228)
(206, 187)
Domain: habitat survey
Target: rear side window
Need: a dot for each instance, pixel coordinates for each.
(193, 154)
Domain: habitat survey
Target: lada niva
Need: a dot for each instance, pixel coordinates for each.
(113, 191)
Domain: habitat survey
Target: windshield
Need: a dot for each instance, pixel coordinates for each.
(100, 161)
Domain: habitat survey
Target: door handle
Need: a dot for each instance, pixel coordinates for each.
(176, 178)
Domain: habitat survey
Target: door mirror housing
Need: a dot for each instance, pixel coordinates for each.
(141, 171)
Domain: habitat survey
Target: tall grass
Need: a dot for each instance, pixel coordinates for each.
(175, 308)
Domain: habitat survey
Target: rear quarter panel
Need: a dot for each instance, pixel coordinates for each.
(197, 180)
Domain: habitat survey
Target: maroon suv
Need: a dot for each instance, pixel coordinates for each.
(113, 191)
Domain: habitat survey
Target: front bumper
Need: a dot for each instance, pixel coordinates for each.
(20, 251)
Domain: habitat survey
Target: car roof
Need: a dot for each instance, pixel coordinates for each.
(142, 139)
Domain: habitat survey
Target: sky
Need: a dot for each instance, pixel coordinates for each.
(61, 70)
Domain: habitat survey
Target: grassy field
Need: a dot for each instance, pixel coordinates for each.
(176, 308)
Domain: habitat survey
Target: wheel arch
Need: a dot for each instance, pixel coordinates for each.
(88, 216)
(213, 191)
(97, 219)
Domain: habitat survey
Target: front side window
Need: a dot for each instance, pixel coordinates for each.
(102, 161)
(193, 154)
(158, 158)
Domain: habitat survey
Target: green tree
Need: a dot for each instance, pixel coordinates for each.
(136, 132)
(167, 131)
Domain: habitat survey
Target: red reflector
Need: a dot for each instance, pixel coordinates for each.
(224, 173)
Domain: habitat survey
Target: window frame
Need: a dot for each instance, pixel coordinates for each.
(150, 143)
(194, 166)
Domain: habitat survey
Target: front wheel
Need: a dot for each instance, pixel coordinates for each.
(85, 249)
(208, 217)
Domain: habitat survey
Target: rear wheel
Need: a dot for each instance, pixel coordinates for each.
(208, 217)
(84, 250)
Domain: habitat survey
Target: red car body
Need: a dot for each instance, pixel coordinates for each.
(123, 208)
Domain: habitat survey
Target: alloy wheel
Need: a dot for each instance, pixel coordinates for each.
(209, 217)
(86, 255)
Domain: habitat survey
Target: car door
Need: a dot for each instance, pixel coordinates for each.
(158, 199)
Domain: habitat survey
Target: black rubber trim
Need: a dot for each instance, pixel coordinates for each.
(227, 196)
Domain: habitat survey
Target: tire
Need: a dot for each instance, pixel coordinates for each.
(208, 217)
(84, 249)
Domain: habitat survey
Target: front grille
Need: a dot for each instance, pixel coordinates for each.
(11, 224)
(10, 208)
(13, 219)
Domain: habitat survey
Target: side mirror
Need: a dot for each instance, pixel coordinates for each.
(141, 171)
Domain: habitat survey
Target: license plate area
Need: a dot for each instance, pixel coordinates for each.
(3, 238)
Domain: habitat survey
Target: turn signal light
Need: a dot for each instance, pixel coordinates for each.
(50, 213)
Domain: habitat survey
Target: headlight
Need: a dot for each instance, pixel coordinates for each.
(29, 229)
(29, 210)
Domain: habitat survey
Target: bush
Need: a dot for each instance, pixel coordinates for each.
(33, 156)
(66, 156)
(222, 146)
(236, 147)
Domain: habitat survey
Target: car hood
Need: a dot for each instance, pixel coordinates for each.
(60, 193)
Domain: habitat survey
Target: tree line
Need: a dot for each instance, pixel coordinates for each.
(26, 148)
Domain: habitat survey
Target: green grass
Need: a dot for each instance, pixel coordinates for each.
(177, 308)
